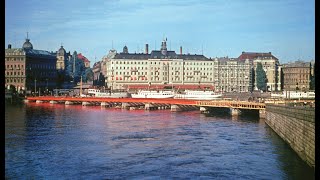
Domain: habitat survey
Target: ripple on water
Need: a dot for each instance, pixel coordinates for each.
(72, 142)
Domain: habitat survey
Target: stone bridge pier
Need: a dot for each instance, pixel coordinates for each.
(149, 106)
(235, 111)
(204, 110)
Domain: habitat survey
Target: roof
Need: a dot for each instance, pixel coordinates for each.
(297, 64)
(256, 55)
(30, 52)
(83, 58)
(27, 44)
(131, 56)
(14, 50)
(158, 55)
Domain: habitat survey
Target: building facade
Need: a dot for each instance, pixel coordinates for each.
(157, 69)
(182, 71)
(96, 69)
(296, 76)
(270, 65)
(232, 75)
(28, 69)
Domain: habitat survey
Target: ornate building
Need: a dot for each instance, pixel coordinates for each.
(28, 69)
(62, 58)
(157, 69)
(162, 68)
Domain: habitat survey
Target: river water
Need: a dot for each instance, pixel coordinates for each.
(54, 141)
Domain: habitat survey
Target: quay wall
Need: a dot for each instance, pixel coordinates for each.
(296, 126)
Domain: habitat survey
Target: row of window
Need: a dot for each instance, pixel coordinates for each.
(14, 73)
(171, 63)
(14, 59)
(190, 79)
(15, 80)
(41, 66)
(15, 66)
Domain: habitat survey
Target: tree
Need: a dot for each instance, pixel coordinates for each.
(87, 75)
(312, 82)
(101, 80)
(261, 77)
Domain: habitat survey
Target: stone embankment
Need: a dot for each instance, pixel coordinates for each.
(296, 126)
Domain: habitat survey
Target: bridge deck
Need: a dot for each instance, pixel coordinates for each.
(216, 103)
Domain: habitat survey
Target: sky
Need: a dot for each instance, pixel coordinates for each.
(214, 28)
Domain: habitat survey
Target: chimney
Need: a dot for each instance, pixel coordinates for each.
(147, 49)
(9, 46)
(180, 50)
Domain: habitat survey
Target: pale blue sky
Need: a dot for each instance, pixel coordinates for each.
(222, 27)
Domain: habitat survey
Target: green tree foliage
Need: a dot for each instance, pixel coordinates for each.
(75, 69)
(312, 82)
(261, 77)
(87, 75)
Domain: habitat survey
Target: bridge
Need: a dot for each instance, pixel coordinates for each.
(153, 103)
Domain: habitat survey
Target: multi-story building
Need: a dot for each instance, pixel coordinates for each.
(96, 69)
(232, 75)
(167, 68)
(270, 65)
(157, 69)
(296, 76)
(29, 69)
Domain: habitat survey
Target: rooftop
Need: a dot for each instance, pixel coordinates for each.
(256, 55)
(158, 55)
(29, 52)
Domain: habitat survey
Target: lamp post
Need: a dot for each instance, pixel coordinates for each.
(47, 85)
(35, 86)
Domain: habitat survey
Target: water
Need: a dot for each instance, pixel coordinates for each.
(45, 141)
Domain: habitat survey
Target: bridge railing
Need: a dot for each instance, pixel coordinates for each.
(232, 104)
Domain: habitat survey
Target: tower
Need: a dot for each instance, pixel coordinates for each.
(61, 59)
(164, 47)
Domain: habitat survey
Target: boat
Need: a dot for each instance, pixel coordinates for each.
(153, 94)
(294, 95)
(198, 95)
(107, 94)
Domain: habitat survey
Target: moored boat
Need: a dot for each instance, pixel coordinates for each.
(197, 94)
(153, 94)
(294, 95)
(108, 94)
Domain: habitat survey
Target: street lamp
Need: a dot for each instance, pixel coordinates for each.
(35, 86)
(47, 85)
